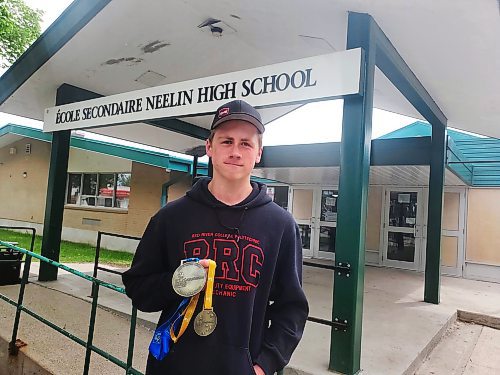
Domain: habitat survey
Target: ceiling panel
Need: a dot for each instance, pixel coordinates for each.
(392, 175)
(453, 47)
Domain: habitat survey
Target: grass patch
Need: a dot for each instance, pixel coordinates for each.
(71, 252)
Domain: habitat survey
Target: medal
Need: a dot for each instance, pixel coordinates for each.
(189, 278)
(206, 321)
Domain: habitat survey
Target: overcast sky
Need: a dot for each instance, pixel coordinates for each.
(323, 119)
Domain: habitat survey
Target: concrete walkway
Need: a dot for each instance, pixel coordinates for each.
(399, 330)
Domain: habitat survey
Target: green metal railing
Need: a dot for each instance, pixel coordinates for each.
(96, 283)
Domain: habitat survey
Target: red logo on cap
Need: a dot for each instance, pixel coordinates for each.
(223, 112)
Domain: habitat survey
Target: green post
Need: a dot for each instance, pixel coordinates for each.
(435, 211)
(56, 192)
(54, 204)
(345, 349)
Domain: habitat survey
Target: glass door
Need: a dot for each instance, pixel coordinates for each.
(452, 235)
(326, 226)
(302, 211)
(403, 228)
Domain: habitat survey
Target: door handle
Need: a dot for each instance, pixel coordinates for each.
(416, 231)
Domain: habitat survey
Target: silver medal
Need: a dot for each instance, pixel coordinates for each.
(189, 279)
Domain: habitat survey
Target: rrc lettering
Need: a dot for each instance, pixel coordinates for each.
(233, 263)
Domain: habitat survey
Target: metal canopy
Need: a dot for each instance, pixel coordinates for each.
(414, 175)
(453, 48)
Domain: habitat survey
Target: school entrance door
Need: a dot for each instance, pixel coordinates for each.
(315, 210)
(403, 228)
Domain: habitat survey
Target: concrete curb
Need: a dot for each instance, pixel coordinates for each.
(420, 358)
(481, 319)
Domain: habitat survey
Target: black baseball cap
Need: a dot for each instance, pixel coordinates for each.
(238, 110)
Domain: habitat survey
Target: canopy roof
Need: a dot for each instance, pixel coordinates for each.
(111, 47)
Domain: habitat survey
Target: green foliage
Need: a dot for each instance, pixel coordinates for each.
(19, 27)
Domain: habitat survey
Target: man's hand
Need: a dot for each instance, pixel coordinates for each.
(258, 370)
(205, 263)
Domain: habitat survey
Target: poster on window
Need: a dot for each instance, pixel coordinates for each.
(330, 201)
(404, 198)
(270, 192)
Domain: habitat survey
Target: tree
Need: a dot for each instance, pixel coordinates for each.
(19, 27)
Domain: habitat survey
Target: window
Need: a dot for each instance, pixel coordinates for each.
(74, 188)
(98, 189)
(279, 195)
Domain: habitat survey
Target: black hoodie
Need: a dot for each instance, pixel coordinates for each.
(257, 248)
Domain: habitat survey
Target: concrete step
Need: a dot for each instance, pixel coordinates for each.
(485, 358)
(465, 349)
(452, 353)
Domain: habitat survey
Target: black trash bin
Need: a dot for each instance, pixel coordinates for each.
(10, 266)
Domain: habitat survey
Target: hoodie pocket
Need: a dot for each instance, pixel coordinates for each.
(207, 357)
(249, 358)
(236, 360)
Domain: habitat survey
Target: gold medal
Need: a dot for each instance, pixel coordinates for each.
(189, 279)
(206, 321)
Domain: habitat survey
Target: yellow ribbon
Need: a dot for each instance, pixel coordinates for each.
(207, 305)
(187, 314)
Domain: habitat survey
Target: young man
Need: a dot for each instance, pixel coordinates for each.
(257, 295)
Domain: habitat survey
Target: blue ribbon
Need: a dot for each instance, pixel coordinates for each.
(161, 342)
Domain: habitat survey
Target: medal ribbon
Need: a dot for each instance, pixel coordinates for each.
(160, 344)
(207, 304)
(187, 314)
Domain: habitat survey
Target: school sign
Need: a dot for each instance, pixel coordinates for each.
(316, 78)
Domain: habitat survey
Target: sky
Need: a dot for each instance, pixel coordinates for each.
(323, 119)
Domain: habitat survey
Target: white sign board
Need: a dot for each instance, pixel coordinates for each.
(314, 78)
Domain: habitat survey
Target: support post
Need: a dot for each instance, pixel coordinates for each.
(345, 347)
(54, 204)
(56, 188)
(435, 211)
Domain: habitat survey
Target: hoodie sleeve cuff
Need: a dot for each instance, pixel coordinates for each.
(266, 362)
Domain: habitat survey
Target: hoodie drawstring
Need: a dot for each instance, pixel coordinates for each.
(235, 229)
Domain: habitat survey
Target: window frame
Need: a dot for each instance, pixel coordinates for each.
(97, 195)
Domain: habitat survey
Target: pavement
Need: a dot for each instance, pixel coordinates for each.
(400, 331)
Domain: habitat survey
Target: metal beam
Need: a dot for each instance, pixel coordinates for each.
(435, 211)
(401, 151)
(181, 127)
(308, 155)
(390, 62)
(384, 152)
(345, 349)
